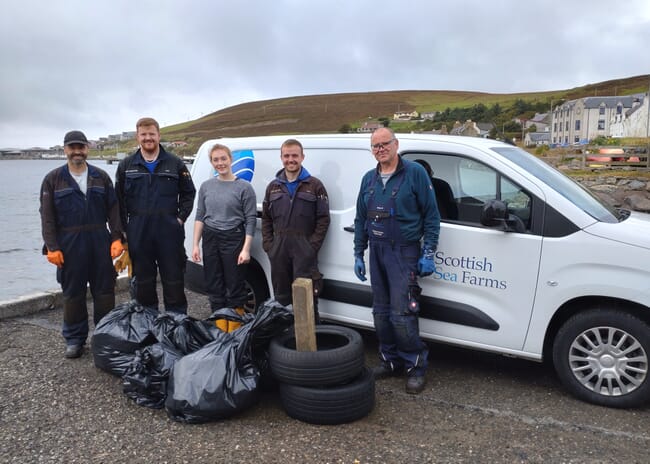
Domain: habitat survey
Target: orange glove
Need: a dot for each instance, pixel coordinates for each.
(55, 257)
(116, 248)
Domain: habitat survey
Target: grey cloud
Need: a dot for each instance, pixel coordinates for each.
(100, 65)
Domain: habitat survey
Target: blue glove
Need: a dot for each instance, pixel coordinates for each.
(360, 268)
(426, 266)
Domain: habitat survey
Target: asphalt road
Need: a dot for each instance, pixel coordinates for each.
(476, 408)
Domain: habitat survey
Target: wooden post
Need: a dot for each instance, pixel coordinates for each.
(303, 314)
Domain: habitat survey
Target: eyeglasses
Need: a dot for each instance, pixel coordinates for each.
(379, 146)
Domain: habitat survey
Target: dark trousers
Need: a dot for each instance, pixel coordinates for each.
(393, 277)
(87, 263)
(224, 278)
(292, 256)
(156, 246)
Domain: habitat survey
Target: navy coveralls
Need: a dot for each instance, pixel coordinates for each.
(394, 257)
(293, 231)
(151, 205)
(76, 224)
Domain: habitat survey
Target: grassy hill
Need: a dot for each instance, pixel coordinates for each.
(327, 113)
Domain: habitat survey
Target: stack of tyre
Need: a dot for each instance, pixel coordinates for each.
(331, 385)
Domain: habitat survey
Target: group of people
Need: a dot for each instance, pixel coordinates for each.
(87, 222)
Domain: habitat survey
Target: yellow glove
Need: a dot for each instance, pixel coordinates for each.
(124, 262)
(229, 326)
(55, 257)
(234, 325)
(116, 248)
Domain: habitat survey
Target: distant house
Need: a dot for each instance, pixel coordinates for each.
(429, 115)
(369, 127)
(535, 139)
(578, 121)
(541, 121)
(130, 135)
(405, 115)
(631, 123)
(472, 129)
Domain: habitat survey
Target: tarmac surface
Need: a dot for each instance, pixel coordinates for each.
(476, 408)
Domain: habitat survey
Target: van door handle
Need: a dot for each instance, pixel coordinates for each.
(349, 229)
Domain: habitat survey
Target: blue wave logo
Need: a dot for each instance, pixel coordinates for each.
(243, 164)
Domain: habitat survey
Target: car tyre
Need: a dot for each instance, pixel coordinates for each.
(338, 359)
(256, 288)
(601, 356)
(330, 405)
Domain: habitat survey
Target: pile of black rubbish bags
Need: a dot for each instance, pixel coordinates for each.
(197, 372)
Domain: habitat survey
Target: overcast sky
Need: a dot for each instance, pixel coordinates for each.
(100, 65)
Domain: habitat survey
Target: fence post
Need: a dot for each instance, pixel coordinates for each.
(303, 314)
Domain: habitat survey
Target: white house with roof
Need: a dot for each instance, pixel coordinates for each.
(579, 121)
(634, 122)
(535, 139)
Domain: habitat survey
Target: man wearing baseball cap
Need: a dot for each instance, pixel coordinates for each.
(77, 201)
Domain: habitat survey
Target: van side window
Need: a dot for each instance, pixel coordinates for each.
(463, 185)
(480, 183)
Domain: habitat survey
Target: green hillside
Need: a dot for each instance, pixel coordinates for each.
(327, 113)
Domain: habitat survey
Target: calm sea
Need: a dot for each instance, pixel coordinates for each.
(23, 269)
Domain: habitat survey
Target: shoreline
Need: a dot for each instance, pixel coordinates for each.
(41, 301)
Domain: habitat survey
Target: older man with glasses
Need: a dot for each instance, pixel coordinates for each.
(398, 220)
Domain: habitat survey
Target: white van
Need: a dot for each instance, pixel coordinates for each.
(529, 263)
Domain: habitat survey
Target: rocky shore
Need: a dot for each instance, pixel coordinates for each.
(619, 190)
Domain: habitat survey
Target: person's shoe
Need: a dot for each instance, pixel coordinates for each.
(415, 384)
(73, 351)
(384, 370)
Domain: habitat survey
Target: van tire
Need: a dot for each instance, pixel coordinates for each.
(256, 287)
(601, 356)
(338, 359)
(332, 405)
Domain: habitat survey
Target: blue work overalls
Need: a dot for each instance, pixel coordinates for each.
(85, 243)
(393, 277)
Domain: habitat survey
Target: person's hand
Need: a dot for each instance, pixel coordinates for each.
(244, 257)
(360, 268)
(196, 254)
(55, 257)
(124, 262)
(116, 248)
(426, 266)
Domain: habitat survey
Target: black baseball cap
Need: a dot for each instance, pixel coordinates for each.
(75, 137)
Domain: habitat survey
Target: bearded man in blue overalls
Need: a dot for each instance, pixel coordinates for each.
(397, 217)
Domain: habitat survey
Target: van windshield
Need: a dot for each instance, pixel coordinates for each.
(562, 184)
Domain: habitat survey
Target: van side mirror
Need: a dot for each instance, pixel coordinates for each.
(495, 214)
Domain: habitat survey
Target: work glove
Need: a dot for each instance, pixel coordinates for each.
(116, 248)
(426, 266)
(124, 262)
(360, 268)
(55, 257)
(230, 326)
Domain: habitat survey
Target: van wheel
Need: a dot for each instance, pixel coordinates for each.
(601, 356)
(257, 291)
(331, 405)
(339, 357)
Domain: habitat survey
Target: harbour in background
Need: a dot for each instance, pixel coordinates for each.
(23, 268)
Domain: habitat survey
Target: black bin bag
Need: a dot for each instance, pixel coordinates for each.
(145, 382)
(221, 378)
(123, 331)
(184, 332)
